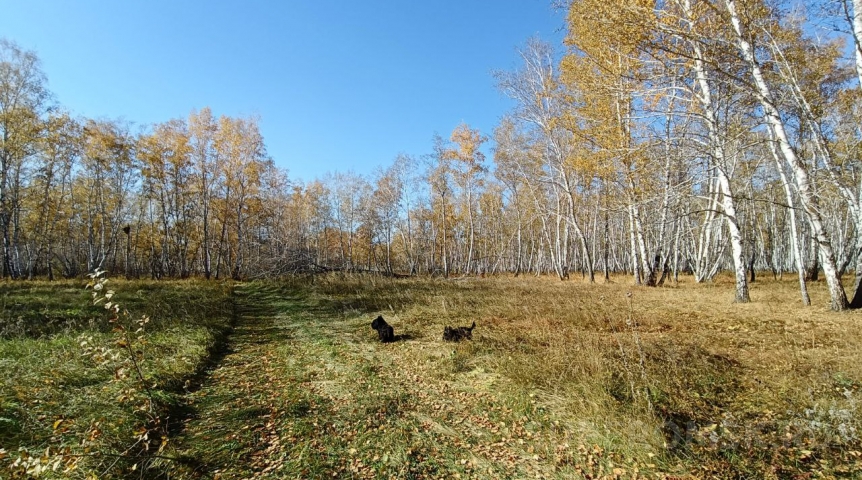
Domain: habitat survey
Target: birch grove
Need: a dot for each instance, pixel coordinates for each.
(662, 138)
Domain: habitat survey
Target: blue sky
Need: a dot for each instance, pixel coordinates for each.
(337, 85)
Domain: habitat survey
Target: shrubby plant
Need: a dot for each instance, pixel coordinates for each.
(122, 354)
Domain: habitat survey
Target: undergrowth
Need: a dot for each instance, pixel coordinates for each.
(88, 388)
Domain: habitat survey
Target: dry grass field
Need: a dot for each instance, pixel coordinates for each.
(561, 380)
(679, 374)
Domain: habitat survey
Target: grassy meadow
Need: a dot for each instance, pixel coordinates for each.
(561, 380)
(67, 396)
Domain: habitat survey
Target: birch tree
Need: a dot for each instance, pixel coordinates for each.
(206, 163)
(601, 72)
(772, 116)
(541, 105)
(59, 151)
(718, 145)
(23, 101)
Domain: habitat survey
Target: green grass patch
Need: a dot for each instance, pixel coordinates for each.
(67, 387)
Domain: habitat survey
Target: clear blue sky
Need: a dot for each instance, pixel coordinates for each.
(337, 85)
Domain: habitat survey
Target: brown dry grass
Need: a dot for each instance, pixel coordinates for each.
(678, 375)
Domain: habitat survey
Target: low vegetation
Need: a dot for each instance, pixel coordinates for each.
(677, 379)
(560, 380)
(70, 398)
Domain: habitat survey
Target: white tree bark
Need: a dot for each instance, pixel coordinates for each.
(794, 240)
(802, 180)
(855, 19)
(636, 268)
(716, 145)
(727, 204)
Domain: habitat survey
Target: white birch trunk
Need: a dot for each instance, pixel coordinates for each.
(742, 295)
(636, 269)
(471, 226)
(855, 18)
(821, 145)
(705, 241)
(803, 182)
(717, 149)
(646, 264)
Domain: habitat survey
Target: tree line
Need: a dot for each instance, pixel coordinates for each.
(663, 137)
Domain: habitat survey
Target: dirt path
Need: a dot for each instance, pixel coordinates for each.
(306, 393)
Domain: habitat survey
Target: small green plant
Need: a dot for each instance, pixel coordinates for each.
(123, 355)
